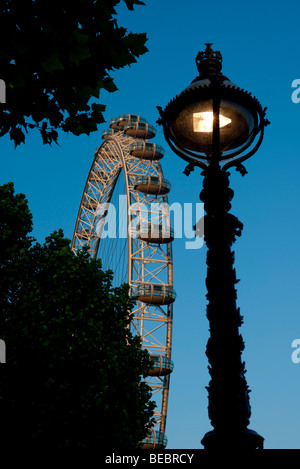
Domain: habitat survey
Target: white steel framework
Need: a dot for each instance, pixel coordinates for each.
(144, 260)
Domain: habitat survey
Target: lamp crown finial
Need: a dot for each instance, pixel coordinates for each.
(209, 62)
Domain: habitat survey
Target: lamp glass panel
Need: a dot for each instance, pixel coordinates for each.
(203, 121)
(192, 127)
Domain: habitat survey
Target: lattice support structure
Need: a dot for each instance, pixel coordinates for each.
(148, 268)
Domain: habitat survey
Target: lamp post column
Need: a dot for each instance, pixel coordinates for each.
(229, 407)
(215, 125)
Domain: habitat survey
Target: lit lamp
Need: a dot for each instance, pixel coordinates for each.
(216, 125)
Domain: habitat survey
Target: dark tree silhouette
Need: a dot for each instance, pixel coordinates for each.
(55, 57)
(73, 370)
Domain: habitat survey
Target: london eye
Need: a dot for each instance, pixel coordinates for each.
(124, 218)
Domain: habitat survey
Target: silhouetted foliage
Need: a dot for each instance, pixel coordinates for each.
(73, 370)
(55, 58)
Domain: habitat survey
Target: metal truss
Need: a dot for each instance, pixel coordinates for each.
(149, 262)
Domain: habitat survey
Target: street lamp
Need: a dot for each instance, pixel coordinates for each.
(216, 125)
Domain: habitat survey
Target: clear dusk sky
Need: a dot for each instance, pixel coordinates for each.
(259, 41)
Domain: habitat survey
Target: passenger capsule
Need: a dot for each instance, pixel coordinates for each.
(117, 123)
(114, 123)
(146, 150)
(155, 233)
(155, 440)
(162, 366)
(157, 294)
(152, 185)
(107, 133)
(139, 130)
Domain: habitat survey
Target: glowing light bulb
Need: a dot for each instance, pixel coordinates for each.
(203, 121)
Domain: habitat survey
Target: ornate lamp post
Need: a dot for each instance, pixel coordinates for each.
(216, 125)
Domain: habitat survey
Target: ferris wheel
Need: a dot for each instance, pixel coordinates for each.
(124, 218)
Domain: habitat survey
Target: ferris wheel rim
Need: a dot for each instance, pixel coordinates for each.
(115, 139)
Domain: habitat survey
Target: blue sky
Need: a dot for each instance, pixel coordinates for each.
(260, 48)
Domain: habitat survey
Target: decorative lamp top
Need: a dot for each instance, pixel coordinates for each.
(209, 62)
(213, 119)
